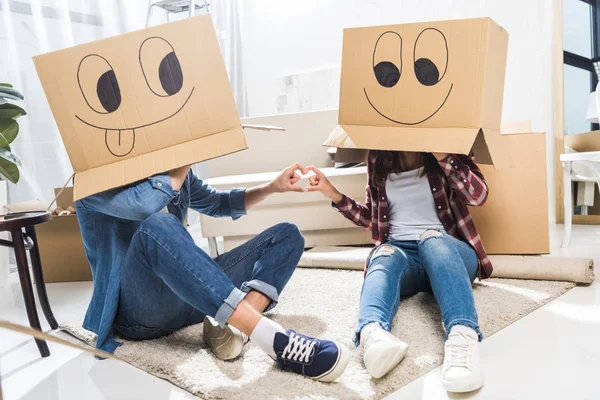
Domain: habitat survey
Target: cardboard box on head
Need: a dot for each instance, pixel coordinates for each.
(141, 103)
(432, 86)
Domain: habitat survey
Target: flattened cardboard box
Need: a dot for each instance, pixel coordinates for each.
(514, 219)
(141, 103)
(433, 86)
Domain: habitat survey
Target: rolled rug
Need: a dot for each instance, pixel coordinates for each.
(548, 268)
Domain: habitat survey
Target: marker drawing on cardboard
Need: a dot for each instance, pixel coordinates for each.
(432, 86)
(106, 98)
(388, 74)
(141, 103)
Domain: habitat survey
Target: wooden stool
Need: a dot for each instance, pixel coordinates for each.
(15, 223)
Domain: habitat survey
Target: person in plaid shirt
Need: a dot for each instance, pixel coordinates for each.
(426, 241)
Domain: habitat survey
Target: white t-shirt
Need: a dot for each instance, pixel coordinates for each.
(411, 206)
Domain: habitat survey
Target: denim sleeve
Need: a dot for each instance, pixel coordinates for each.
(216, 203)
(133, 202)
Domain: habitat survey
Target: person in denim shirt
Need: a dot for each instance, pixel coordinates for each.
(151, 279)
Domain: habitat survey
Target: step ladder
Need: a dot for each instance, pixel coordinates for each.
(176, 6)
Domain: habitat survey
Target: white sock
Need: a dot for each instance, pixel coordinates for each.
(263, 335)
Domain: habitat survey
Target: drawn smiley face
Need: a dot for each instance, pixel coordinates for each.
(99, 84)
(421, 77)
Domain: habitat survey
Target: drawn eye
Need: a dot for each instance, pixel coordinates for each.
(387, 59)
(161, 67)
(98, 84)
(430, 56)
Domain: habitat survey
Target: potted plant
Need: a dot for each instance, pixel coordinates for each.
(9, 163)
(9, 129)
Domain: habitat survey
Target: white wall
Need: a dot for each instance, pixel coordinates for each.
(282, 38)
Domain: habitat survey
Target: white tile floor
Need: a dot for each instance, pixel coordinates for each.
(553, 353)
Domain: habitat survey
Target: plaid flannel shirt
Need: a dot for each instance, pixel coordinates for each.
(458, 183)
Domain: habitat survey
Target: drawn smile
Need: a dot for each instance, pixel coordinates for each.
(120, 147)
(405, 122)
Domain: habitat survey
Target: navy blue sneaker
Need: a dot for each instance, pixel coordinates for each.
(322, 360)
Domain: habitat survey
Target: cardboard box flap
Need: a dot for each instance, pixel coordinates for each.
(64, 199)
(131, 170)
(449, 140)
(490, 147)
(487, 146)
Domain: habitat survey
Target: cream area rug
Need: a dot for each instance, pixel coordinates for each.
(324, 303)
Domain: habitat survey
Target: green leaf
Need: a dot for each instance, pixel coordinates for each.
(4, 143)
(10, 93)
(11, 111)
(10, 157)
(9, 170)
(6, 84)
(9, 128)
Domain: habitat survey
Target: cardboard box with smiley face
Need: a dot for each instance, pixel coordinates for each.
(141, 103)
(433, 86)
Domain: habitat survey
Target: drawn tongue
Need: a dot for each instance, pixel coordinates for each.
(120, 142)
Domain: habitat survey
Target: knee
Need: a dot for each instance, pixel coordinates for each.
(289, 233)
(432, 244)
(385, 250)
(387, 254)
(160, 222)
(429, 234)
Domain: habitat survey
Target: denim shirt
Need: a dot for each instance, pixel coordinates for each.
(109, 220)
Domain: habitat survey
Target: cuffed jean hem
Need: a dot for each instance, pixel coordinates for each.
(383, 325)
(231, 302)
(464, 322)
(265, 289)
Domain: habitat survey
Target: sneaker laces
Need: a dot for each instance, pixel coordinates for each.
(299, 348)
(459, 354)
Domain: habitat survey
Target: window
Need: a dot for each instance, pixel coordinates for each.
(581, 45)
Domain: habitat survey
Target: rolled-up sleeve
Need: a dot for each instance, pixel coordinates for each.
(465, 178)
(216, 203)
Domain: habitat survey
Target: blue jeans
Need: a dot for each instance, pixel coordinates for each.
(168, 282)
(437, 263)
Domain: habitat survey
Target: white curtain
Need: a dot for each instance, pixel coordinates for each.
(31, 27)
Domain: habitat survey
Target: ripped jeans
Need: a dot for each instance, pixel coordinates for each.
(437, 263)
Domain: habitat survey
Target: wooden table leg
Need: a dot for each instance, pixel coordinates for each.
(27, 288)
(38, 274)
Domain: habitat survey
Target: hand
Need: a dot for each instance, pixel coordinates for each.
(319, 183)
(440, 156)
(286, 181)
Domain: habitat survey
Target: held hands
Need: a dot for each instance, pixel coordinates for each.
(318, 182)
(286, 181)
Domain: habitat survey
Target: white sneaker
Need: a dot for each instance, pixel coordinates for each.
(226, 343)
(383, 351)
(462, 371)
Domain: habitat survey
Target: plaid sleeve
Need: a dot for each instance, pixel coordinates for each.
(466, 181)
(360, 214)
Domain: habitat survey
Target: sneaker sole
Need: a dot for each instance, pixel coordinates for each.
(218, 338)
(340, 366)
(387, 363)
(460, 388)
